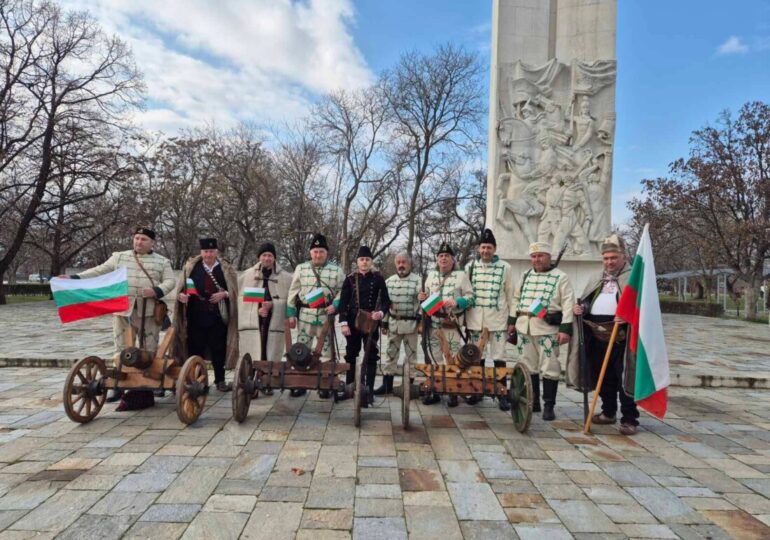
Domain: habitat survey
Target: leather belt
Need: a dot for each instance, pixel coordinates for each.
(400, 318)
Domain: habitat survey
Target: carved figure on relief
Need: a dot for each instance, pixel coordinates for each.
(556, 168)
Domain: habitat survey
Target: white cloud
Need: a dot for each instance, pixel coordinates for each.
(733, 45)
(254, 60)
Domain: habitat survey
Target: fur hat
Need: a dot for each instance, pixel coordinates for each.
(267, 247)
(319, 241)
(364, 251)
(488, 238)
(208, 243)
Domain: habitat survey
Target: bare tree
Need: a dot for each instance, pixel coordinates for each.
(351, 127)
(77, 75)
(720, 196)
(435, 110)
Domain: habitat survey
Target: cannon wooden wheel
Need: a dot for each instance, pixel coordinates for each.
(243, 387)
(358, 393)
(520, 395)
(407, 397)
(191, 389)
(84, 389)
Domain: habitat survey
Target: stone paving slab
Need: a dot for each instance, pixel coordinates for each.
(702, 472)
(704, 352)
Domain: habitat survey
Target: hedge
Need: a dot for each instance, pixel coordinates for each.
(692, 308)
(27, 289)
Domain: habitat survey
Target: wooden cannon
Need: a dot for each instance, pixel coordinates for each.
(464, 375)
(89, 379)
(302, 369)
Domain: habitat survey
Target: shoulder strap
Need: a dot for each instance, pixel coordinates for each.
(141, 266)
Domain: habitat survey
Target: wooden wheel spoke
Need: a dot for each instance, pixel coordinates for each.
(81, 377)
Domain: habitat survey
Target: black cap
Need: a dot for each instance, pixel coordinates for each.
(364, 251)
(445, 248)
(319, 241)
(145, 231)
(488, 238)
(267, 247)
(208, 243)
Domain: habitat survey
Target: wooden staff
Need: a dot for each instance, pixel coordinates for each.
(607, 355)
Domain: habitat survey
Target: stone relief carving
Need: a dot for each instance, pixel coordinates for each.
(555, 137)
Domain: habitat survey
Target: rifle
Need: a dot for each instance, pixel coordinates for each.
(560, 255)
(426, 323)
(583, 363)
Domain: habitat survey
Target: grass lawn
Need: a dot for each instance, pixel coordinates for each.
(25, 298)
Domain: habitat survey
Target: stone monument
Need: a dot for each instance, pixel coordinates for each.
(551, 129)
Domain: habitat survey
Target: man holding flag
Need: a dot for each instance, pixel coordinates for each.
(543, 303)
(208, 326)
(597, 307)
(314, 294)
(639, 305)
(262, 307)
(150, 278)
(449, 294)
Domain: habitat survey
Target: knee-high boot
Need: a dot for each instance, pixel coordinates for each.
(549, 398)
(535, 392)
(350, 374)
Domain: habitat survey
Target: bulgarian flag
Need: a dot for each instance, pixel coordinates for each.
(315, 298)
(432, 304)
(85, 298)
(190, 287)
(537, 308)
(254, 294)
(640, 307)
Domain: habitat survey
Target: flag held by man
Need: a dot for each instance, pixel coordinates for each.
(640, 307)
(78, 299)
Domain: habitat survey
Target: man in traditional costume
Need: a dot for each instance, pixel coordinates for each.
(150, 278)
(264, 289)
(597, 306)
(363, 302)
(314, 295)
(543, 302)
(400, 324)
(492, 284)
(206, 315)
(453, 288)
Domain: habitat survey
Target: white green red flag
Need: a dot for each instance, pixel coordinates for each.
(537, 309)
(640, 307)
(432, 304)
(315, 298)
(79, 299)
(254, 294)
(190, 287)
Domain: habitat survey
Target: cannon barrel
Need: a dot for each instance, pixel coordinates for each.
(468, 356)
(414, 390)
(136, 358)
(300, 356)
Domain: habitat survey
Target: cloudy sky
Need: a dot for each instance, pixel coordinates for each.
(265, 61)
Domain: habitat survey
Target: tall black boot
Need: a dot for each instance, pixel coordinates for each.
(535, 392)
(371, 372)
(549, 398)
(386, 387)
(502, 401)
(350, 374)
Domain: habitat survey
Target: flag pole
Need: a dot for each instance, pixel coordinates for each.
(607, 355)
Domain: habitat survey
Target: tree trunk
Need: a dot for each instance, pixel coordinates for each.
(751, 294)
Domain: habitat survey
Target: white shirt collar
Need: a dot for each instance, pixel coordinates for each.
(209, 268)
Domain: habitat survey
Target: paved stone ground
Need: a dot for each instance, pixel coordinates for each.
(703, 351)
(297, 468)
